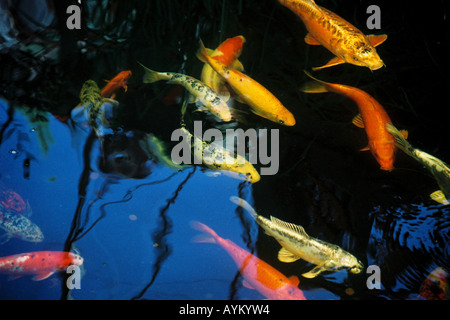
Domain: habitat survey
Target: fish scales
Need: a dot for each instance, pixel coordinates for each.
(294, 237)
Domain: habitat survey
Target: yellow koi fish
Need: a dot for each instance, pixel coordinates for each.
(341, 38)
(439, 169)
(217, 158)
(202, 93)
(297, 244)
(261, 100)
(227, 53)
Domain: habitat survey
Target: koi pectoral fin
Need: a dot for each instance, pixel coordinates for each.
(42, 276)
(358, 121)
(286, 256)
(376, 40)
(439, 197)
(314, 272)
(309, 39)
(333, 62)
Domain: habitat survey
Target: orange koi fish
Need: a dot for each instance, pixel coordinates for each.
(341, 38)
(257, 274)
(40, 263)
(227, 53)
(372, 117)
(261, 100)
(120, 80)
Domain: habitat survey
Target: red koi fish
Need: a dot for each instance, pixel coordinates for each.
(227, 53)
(435, 286)
(341, 38)
(257, 274)
(372, 117)
(120, 80)
(40, 263)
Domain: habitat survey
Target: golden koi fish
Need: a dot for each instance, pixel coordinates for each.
(202, 93)
(227, 53)
(439, 169)
(217, 158)
(341, 38)
(261, 101)
(297, 244)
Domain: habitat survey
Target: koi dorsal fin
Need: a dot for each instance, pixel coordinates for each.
(296, 228)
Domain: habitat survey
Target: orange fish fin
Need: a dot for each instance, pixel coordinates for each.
(309, 39)
(404, 133)
(42, 276)
(365, 149)
(113, 96)
(248, 285)
(376, 40)
(316, 86)
(294, 280)
(333, 62)
(358, 121)
(125, 87)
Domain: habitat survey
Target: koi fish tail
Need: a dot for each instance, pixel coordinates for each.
(210, 238)
(202, 53)
(316, 86)
(244, 204)
(150, 75)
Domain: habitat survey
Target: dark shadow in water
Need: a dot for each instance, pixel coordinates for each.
(161, 246)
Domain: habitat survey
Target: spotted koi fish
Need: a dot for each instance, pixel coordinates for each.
(94, 107)
(42, 264)
(438, 168)
(200, 91)
(344, 40)
(17, 225)
(218, 158)
(297, 244)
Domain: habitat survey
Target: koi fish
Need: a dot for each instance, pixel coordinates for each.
(156, 149)
(202, 94)
(119, 81)
(227, 53)
(17, 225)
(372, 117)
(297, 244)
(13, 201)
(258, 274)
(435, 286)
(218, 158)
(42, 264)
(261, 101)
(341, 38)
(94, 107)
(439, 169)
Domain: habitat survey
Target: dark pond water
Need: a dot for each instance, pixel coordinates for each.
(129, 216)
